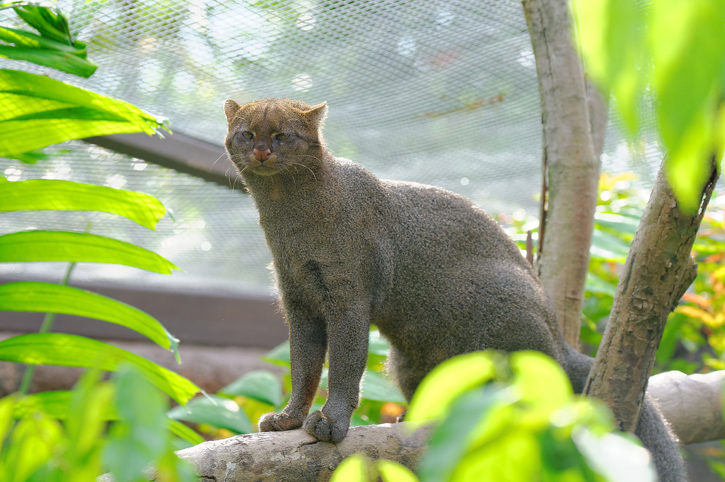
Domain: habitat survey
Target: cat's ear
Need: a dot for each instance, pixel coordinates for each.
(230, 109)
(317, 114)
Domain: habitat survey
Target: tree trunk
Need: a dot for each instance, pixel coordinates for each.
(570, 163)
(657, 272)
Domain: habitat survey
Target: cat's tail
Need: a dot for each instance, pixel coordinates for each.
(652, 429)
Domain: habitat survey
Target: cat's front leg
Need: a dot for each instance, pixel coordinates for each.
(348, 350)
(308, 343)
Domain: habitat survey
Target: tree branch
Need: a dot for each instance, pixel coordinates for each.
(657, 272)
(692, 404)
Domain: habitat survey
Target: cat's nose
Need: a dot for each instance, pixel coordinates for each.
(261, 154)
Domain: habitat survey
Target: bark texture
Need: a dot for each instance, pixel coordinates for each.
(571, 166)
(295, 456)
(657, 272)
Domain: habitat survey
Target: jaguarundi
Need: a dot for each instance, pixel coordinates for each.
(435, 273)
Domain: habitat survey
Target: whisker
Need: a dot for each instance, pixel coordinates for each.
(217, 160)
(302, 165)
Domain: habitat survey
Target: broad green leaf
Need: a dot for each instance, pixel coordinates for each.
(394, 472)
(542, 385)
(377, 387)
(184, 432)
(355, 468)
(47, 195)
(451, 439)
(89, 409)
(48, 23)
(53, 404)
(56, 59)
(7, 407)
(447, 381)
(515, 456)
(21, 38)
(32, 157)
(260, 385)
(36, 296)
(31, 446)
(140, 438)
(279, 355)
(31, 123)
(77, 351)
(78, 247)
(610, 36)
(214, 410)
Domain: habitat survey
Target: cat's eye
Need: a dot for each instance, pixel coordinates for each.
(281, 136)
(247, 135)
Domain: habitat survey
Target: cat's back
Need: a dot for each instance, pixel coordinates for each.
(432, 216)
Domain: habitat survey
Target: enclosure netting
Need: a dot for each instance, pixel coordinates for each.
(437, 91)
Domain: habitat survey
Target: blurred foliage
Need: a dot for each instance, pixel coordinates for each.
(515, 418)
(666, 55)
(120, 426)
(117, 426)
(694, 337)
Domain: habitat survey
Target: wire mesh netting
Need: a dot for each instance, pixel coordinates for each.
(438, 92)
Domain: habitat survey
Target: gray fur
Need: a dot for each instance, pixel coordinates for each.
(433, 271)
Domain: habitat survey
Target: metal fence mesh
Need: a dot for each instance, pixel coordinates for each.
(439, 92)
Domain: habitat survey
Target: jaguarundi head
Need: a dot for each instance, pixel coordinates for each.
(271, 136)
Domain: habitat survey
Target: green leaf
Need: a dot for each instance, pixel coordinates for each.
(77, 351)
(56, 59)
(7, 407)
(260, 385)
(394, 472)
(447, 381)
(33, 157)
(184, 432)
(450, 440)
(48, 23)
(279, 355)
(214, 410)
(28, 99)
(88, 410)
(32, 445)
(610, 34)
(376, 387)
(355, 468)
(542, 385)
(35, 296)
(78, 247)
(140, 438)
(47, 195)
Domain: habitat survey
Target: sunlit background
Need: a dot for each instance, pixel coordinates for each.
(438, 92)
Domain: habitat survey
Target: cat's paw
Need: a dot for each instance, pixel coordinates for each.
(277, 422)
(326, 428)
